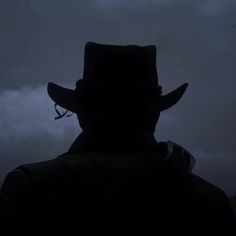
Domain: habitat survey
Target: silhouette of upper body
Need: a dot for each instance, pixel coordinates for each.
(115, 175)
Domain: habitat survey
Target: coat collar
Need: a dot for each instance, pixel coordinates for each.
(135, 141)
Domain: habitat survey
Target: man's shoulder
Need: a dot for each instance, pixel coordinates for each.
(63, 167)
(205, 195)
(204, 188)
(45, 172)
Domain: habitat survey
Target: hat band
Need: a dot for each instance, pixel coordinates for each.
(83, 86)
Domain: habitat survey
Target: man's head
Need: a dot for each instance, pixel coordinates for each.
(119, 89)
(144, 119)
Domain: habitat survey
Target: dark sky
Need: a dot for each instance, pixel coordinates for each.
(43, 40)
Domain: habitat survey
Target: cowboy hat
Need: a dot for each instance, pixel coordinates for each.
(116, 77)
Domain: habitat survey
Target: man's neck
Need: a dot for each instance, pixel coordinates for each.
(114, 138)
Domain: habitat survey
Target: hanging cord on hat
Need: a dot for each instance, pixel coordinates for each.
(60, 115)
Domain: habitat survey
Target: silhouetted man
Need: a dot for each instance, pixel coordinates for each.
(115, 175)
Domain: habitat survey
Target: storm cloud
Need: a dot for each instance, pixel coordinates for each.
(42, 41)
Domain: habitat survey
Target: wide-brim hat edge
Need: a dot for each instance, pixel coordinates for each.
(68, 98)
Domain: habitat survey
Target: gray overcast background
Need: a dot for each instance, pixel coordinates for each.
(43, 40)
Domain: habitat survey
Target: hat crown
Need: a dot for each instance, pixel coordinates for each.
(120, 65)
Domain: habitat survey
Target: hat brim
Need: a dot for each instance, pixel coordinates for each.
(66, 98)
(170, 99)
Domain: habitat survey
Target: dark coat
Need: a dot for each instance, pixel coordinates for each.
(119, 185)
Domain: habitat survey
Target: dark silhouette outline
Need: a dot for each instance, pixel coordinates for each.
(115, 173)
